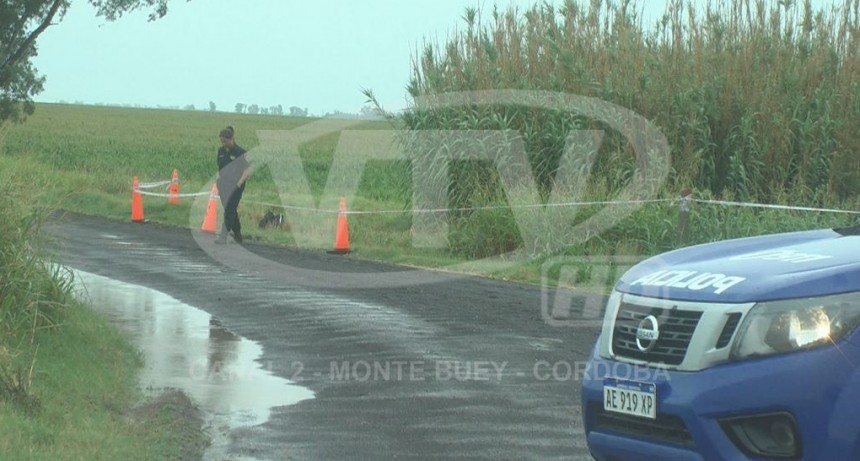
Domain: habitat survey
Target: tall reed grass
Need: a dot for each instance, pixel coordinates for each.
(32, 290)
(758, 100)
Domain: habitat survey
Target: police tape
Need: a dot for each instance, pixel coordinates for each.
(461, 209)
(776, 207)
(153, 185)
(166, 185)
(158, 194)
(687, 199)
(291, 207)
(554, 205)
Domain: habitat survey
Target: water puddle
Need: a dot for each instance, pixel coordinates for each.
(185, 348)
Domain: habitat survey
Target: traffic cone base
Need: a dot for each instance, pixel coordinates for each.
(136, 201)
(210, 221)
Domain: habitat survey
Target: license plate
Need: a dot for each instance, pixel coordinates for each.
(630, 397)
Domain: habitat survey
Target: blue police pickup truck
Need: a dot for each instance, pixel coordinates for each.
(744, 349)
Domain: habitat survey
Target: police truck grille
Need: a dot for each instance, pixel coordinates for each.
(675, 330)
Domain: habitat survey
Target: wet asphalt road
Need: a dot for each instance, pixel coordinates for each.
(405, 364)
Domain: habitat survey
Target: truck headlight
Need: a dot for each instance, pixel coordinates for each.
(776, 327)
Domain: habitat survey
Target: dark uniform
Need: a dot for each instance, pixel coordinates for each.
(231, 164)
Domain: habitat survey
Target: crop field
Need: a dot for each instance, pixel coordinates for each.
(83, 158)
(758, 104)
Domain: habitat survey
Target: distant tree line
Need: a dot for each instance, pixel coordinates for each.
(242, 108)
(366, 112)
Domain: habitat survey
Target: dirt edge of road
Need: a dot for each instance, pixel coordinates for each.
(173, 413)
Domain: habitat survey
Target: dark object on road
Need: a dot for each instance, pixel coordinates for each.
(271, 220)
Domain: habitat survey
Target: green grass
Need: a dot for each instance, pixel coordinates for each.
(84, 157)
(68, 380)
(85, 379)
(754, 97)
(758, 101)
(88, 156)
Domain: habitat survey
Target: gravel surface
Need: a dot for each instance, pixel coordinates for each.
(404, 363)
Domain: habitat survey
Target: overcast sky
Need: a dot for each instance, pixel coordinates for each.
(314, 54)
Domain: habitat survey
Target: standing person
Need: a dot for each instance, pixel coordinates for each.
(233, 173)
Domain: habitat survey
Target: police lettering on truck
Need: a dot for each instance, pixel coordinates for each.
(690, 280)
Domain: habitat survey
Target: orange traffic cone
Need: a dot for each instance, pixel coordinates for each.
(341, 238)
(136, 201)
(174, 188)
(210, 221)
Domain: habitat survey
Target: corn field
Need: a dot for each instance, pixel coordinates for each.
(755, 98)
